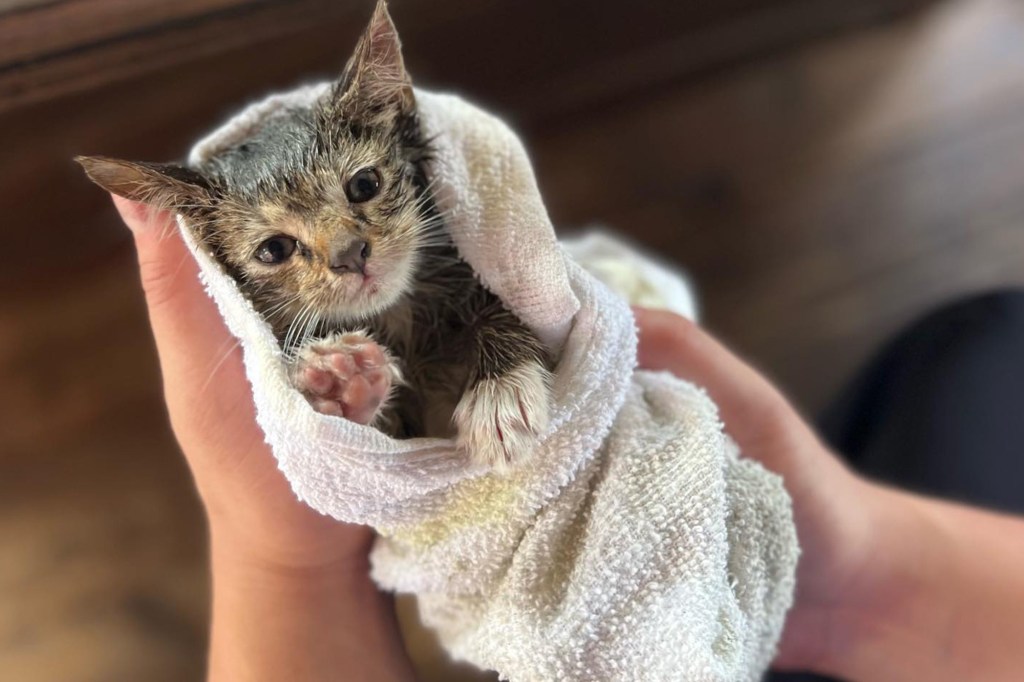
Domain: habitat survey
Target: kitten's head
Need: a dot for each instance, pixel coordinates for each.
(321, 214)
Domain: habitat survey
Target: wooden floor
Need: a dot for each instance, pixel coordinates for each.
(821, 199)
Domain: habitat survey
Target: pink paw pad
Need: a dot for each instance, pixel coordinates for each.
(345, 375)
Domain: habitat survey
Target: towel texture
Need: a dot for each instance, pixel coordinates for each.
(637, 545)
(635, 276)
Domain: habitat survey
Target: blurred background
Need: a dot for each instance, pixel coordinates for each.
(826, 171)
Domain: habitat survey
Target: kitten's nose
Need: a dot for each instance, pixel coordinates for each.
(352, 258)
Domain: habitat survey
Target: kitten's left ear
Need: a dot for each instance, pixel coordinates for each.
(162, 185)
(375, 78)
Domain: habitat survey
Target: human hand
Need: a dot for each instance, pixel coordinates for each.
(852, 581)
(209, 401)
(292, 594)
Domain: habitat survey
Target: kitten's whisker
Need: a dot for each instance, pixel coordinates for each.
(233, 343)
(303, 335)
(313, 328)
(431, 223)
(313, 324)
(309, 328)
(440, 255)
(436, 217)
(296, 332)
(426, 202)
(431, 215)
(431, 234)
(280, 307)
(293, 328)
(434, 228)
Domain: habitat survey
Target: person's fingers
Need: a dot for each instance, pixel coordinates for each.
(198, 356)
(756, 415)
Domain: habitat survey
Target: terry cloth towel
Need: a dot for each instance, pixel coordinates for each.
(635, 276)
(636, 545)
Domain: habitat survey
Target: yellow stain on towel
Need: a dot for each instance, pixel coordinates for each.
(483, 501)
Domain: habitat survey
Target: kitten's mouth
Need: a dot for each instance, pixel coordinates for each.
(369, 292)
(356, 288)
(367, 283)
(369, 286)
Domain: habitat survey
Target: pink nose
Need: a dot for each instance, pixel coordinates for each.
(351, 258)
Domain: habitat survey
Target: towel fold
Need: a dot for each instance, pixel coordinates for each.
(636, 544)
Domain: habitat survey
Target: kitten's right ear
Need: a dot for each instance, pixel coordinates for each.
(375, 78)
(166, 186)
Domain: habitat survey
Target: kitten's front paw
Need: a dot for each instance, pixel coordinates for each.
(499, 420)
(346, 375)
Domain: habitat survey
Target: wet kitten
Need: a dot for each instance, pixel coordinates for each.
(325, 219)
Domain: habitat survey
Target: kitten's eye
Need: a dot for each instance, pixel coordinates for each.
(363, 186)
(276, 250)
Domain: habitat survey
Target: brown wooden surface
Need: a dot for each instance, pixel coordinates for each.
(821, 197)
(58, 28)
(82, 53)
(559, 54)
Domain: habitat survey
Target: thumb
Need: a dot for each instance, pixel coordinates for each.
(207, 394)
(191, 338)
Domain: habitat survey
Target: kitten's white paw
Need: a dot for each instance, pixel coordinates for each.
(499, 420)
(346, 375)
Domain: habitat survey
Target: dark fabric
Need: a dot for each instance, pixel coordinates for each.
(940, 410)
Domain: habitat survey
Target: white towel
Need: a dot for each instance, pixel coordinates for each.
(635, 546)
(637, 277)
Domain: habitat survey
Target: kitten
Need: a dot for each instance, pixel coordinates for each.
(325, 219)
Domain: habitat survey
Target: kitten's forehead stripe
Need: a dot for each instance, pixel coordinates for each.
(280, 149)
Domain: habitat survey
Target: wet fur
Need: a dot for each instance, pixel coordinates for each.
(450, 335)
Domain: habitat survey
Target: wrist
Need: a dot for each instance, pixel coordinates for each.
(275, 620)
(893, 623)
(333, 548)
(242, 565)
